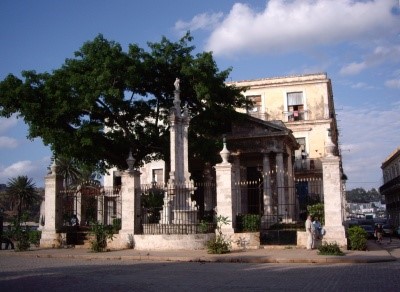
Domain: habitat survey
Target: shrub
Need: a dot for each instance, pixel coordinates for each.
(116, 225)
(251, 222)
(219, 245)
(34, 237)
(330, 249)
(101, 234)
(357, 238)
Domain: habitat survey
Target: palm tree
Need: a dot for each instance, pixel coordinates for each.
(68, 168)
(22, 193)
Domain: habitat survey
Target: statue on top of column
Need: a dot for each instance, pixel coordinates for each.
(176, 84)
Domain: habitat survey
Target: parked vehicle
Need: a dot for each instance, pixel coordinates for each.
(369, 229)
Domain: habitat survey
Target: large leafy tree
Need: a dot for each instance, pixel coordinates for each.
(22, 194)
(104, 102)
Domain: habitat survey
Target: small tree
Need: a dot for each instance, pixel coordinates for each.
(101, 234)
(219, 245)
(317, 210)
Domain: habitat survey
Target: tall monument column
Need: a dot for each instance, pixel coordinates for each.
(335, 231)
(53, 208)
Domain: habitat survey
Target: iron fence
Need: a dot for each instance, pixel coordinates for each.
(177, 209)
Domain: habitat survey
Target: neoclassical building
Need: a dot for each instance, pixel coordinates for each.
(391, 186)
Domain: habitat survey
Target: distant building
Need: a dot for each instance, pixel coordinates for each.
(391, 186)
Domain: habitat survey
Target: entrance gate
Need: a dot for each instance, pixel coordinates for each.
(88, 204)
(279, 221)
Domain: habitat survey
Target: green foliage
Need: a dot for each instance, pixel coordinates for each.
(153, 202)
(330, 249)
(19, 234)
(130, 92)
(317, 210)
(357, 238)
(360, 195)
(219, 245)
(116, 225)
(34, 237)
(250, 222)
(22, 194)
(101, 234)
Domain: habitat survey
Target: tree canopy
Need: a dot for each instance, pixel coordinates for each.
(105, 102)
(359, 195)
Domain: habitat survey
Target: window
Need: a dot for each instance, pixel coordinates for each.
(257, 104)
(157, 175)
(295, 106)
(301, 152)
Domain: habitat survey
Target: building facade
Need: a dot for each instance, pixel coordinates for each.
(305, 104)
(391, 186)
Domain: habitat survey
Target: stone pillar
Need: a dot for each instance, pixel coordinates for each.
(267, 184)
(130, 209)
(280, 181)
(53, 209)
(225, 198)
(335, 231)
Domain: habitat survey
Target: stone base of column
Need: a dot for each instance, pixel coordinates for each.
(335, 234)
(122, 240)
(50, 239)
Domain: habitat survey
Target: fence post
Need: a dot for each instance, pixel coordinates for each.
(130, 181)
(53, 209)
(333, 194)
(225, 200)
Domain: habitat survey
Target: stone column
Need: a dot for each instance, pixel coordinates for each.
(267, 184)
(335, 231)
(53, 209)
(280, 181)
(225, 198)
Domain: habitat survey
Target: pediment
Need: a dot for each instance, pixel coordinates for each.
(253, 127)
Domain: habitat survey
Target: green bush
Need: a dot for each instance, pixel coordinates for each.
(330, 249)
(101, 234)
(248, 222)
(116, 225)
(34, 237)
(219, 245)
(357, 238)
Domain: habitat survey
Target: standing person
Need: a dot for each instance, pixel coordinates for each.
(317, 229)
(309, 227)
(379, 233)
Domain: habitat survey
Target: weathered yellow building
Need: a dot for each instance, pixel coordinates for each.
(305, 104)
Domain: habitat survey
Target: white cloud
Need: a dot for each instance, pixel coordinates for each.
(368, 136)
(298, 24)
(380, 55)
(8, 123)
(393, 83)
(200, 21)
(32, 169)
(353, 68)
(7, 142)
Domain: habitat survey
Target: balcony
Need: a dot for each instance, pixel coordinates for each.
(294, 116)
(308, 165)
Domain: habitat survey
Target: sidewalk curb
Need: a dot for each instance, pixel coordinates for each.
(211, 258)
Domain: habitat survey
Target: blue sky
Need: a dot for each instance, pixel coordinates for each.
(357, 43)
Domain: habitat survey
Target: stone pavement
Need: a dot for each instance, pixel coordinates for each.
(270, 254)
